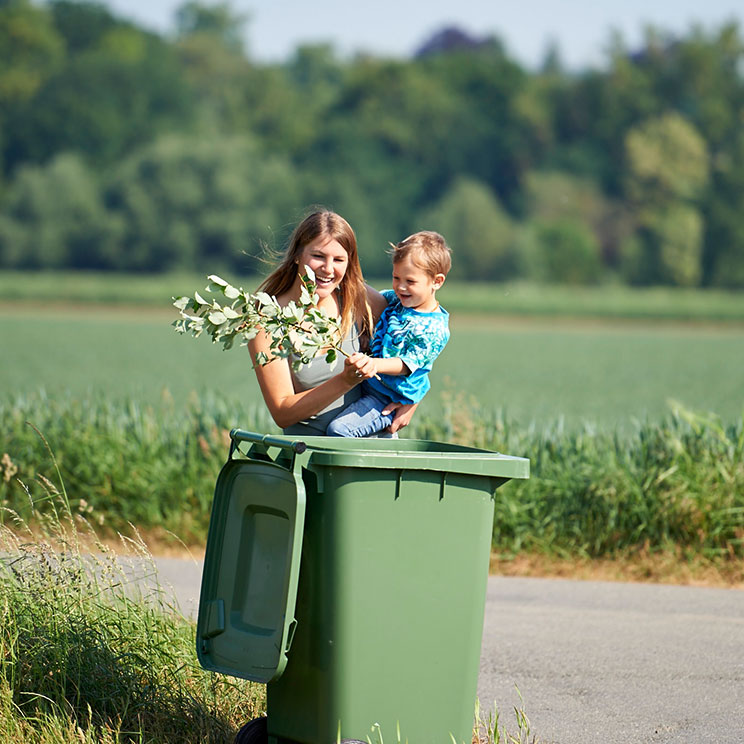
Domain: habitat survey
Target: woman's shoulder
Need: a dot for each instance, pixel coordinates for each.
(284, 298)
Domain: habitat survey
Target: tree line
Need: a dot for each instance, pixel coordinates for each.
(122, 149)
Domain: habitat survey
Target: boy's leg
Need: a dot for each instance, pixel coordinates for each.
(361, 419)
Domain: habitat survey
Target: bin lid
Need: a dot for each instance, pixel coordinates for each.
(399, 454)
(251, 567)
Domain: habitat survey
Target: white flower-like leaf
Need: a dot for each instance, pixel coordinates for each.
(231, 292)
(181, 302)
(264, 299)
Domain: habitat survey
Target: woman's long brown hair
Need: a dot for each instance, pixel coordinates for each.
(352, 290)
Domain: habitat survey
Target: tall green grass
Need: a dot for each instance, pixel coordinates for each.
(129, 463)
(672, 484)
(87, 654)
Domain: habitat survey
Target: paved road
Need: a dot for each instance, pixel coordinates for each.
(616, 663)
(599, 663)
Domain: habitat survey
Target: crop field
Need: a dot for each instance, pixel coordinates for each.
(602, 373)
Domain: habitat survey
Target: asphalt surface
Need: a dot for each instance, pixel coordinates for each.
(597, 662)
(616, 663)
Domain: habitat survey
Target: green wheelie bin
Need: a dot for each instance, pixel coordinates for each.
(349, 575)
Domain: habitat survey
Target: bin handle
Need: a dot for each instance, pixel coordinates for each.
(239, 435)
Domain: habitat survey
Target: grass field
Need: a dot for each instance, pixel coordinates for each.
(139, 415)
(519, 299)
(605, 373)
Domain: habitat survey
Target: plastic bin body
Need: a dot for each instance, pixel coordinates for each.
(391, 592)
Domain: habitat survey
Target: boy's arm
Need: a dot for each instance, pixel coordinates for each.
(390, 366)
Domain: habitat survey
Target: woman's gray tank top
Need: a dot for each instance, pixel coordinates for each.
(317, 372)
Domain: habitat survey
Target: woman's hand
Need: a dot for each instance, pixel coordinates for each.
(358, 367)
(403, 415)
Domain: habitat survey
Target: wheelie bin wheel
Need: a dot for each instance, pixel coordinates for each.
(254, 732)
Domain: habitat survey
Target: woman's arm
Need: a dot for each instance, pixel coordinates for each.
(285, 405)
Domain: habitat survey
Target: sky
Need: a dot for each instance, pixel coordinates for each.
(397, 28)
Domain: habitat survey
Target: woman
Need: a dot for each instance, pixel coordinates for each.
(305, 401)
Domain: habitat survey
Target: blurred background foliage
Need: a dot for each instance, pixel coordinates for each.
(124, 150)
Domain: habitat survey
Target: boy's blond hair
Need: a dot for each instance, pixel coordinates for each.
(427, 249)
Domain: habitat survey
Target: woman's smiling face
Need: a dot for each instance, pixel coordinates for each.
(328, 260)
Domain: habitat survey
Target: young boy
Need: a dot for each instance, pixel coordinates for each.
(411, 333)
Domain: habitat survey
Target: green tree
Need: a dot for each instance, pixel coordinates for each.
(557, 195)
(723, 261)
(667, 170)
(494, 130)
(191, 203)
(30, 49)
(54, 217)
(477, 228)
(376, 123)
(218, 21)
(563, 250)
(217, 76)
(117, 89)
(82, 24)
(667, 159)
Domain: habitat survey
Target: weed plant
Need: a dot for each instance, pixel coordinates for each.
(676, 484)
(89, 655)
(128, 463)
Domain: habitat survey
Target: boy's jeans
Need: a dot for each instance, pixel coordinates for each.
(363, 417)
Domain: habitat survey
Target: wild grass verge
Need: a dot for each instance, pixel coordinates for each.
(672, 487)
(91, 653)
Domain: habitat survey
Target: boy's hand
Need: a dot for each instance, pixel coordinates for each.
(358, 367)
(403, 415)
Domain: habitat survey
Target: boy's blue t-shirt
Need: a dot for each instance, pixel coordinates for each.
(416, 338)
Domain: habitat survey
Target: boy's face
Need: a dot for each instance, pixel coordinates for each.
(414, 287)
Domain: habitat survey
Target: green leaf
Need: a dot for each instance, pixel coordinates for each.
(306, 297)
(181, 302)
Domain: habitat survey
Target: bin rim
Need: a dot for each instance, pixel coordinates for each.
(389, 454)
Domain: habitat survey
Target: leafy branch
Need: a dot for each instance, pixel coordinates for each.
(299, 331)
